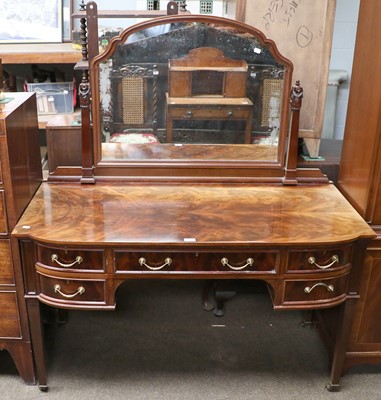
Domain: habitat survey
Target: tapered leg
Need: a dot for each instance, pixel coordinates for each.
(36, 331)
(342, 337)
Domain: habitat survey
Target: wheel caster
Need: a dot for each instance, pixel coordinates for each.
(43, 388)
(333, 387)
(207, 306)
(218, 311)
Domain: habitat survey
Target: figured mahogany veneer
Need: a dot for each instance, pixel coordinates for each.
(80, 243)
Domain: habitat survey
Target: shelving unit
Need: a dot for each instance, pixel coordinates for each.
(39, 53)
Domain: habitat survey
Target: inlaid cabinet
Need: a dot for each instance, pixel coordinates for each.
(20, 176)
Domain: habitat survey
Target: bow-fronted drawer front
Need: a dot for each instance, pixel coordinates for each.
(73, 259)
(313, 293)
(318, 260)
(74, 293)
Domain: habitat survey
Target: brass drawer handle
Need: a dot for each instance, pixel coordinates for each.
(225, 262)
(143, 261)
(335, 259)
(229, 114)
(80, 290)
(308, 289)
(78, 261)
(188, 114)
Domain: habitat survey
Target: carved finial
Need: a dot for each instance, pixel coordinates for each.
(296, 96)
(82, 6)
(84, 90)
(172, 8)
(183, 6)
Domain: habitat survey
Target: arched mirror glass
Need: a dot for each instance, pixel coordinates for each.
(190, 89)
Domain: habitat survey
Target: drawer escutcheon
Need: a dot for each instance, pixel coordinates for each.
(335, 259)
(78, 260)
(225, 262)
(80, 290)
(309, 289)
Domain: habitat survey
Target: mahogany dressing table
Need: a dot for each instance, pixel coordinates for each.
(209, 204)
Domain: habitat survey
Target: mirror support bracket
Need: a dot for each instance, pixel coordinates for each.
(87, 142)
(296, 96)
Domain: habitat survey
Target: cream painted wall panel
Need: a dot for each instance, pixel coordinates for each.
(302, 30)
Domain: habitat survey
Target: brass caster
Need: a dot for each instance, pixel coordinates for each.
(333, 387)
(43, 388)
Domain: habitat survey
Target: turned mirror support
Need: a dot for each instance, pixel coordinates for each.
(290, 177)
(87, 143)
(84, 98)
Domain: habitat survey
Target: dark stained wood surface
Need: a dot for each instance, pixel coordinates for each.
(20, 177)
(360, 180)
(64, 142)
(360, 167)
(209, 215)
(20, 156)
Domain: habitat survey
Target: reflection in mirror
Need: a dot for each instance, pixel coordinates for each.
(191, 91)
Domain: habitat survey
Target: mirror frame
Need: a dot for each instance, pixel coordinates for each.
(94, 169)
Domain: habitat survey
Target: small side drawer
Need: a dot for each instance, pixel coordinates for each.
(73, 259)
(72, 291)
(6, 266)
(223, 112)
(10, 318)
(155, 262)
(3, 215)
(315, 292)
(243, 262)
(321, 260)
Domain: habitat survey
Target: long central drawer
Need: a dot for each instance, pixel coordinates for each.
(196, 262)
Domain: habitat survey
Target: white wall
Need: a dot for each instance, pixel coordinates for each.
(344, 36)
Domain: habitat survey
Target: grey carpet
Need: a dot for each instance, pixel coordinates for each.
(161, 344)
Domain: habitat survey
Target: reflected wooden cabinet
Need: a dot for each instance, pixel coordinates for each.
(20, 176)
(360, 179)
(207, 85)
(63, 138)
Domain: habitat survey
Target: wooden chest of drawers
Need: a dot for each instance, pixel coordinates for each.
(20, 176)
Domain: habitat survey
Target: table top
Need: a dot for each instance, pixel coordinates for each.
(202, 215)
